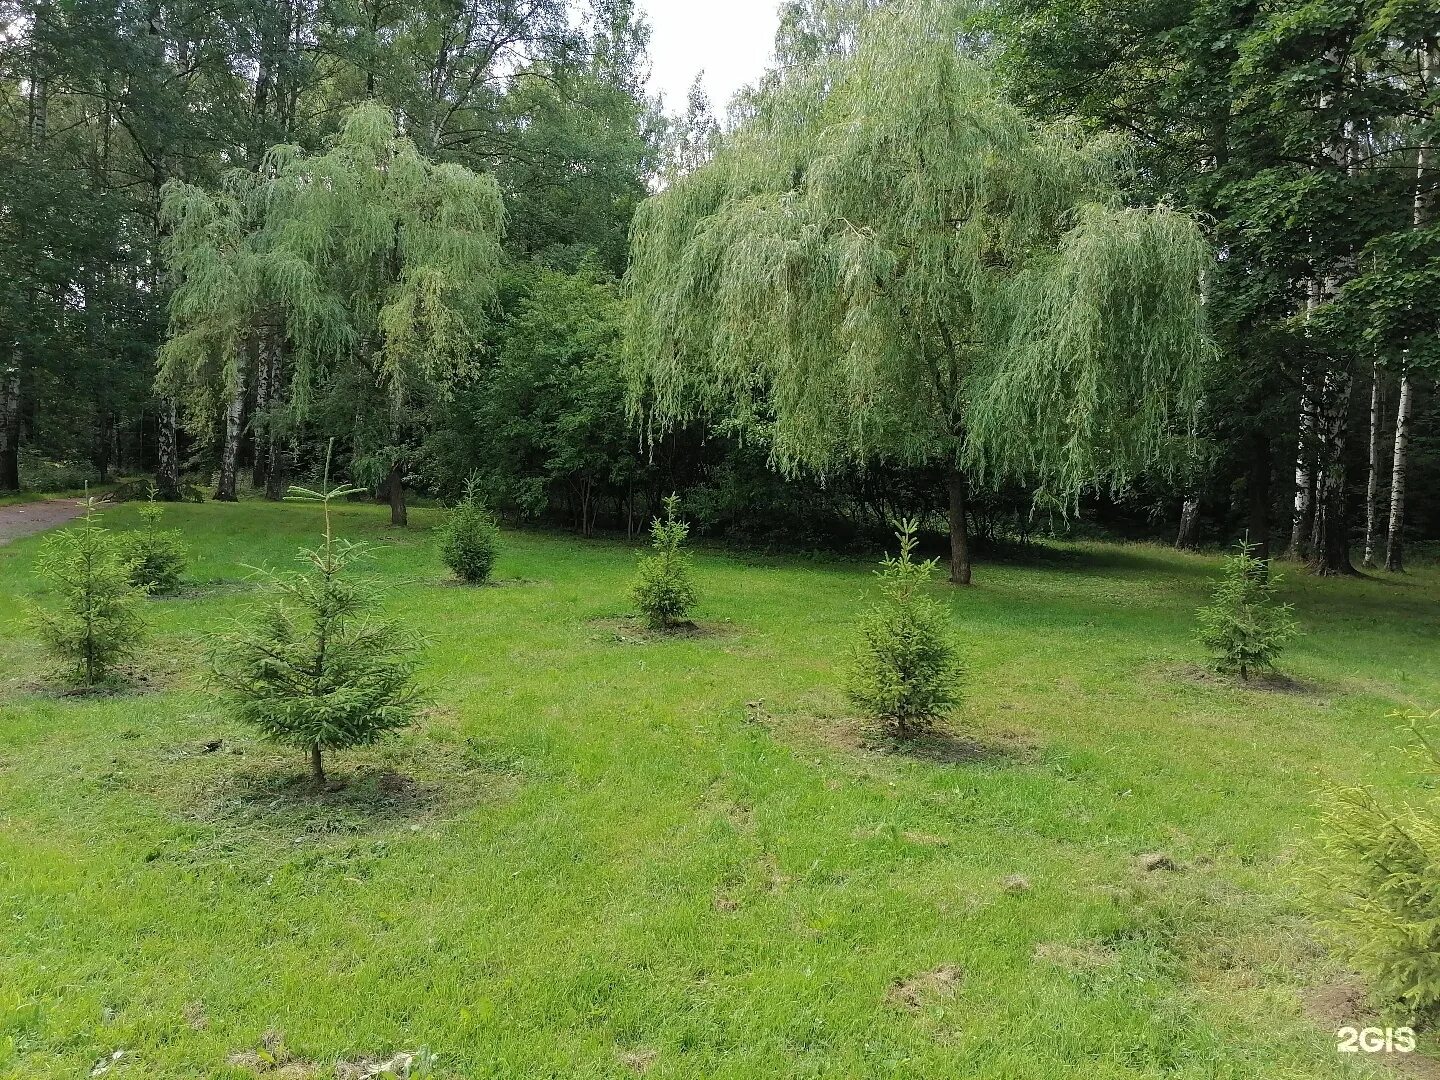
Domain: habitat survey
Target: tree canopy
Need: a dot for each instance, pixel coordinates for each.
(890, 260)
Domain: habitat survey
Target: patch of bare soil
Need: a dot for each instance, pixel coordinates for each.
(631, 630)
(274, 1060)
(22, 519)
(920, 990)
(251, 788)
(639, 1060)
(1342, 1005)
(1271, 682)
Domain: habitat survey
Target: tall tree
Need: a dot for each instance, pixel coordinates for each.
(377, 263)
(889, 260)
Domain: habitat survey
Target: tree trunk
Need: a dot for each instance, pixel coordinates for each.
(396, 490)
(260, 418)
(277, 468)
(1372, 483)
(1302, 522)
(1257, 522)
(1331, 553)
(1188, 538)
(167, 451)
(955, 486)
(230, 450)
(317, 767)
(10, 428)
(1394, 537)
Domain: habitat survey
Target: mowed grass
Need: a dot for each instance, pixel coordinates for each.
(602, 854)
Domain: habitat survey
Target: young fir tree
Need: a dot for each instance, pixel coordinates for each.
(470, 539)
(96, 623)
(316, 667)
(1243, 627)
(159, 554)
(1378, 881)
(663, 588)
(906, 672)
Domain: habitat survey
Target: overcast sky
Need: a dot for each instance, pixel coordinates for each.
(729, 39)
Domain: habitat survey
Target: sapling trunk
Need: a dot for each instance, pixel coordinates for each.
(317, 767)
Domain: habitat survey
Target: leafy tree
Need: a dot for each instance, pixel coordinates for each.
(1243, 627)
(159, 554)
(664, 590)
(469, 538)
(906, 671)
(1298, 130)
(316, 667)
(543, 422)
(1378, 880)
(379, 263)
(96, 623)
(890, 260)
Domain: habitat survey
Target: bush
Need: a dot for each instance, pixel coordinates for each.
(97, 623)
(1243, 627)
(43, 475)
(314, 667)
(1379, 878)
(663, 589)
(470, 539)
(906, 671)
(159, 554)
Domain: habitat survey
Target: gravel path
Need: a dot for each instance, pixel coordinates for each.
(22, 519)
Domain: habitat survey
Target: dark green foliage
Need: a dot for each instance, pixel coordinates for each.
(470, 539)
(1379, 878)
(906, 671)
(314, 666)
(663, 589)
(159, 554)
(1243, 627)
(96, 623)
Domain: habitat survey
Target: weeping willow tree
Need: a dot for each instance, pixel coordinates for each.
(376, 265)
(888, 260)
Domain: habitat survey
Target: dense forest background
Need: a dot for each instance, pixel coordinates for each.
(1299, 133)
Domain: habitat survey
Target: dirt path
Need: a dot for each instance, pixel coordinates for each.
(22, 519)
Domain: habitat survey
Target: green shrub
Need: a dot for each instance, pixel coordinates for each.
(1379, 884)
(1242, 626)
(470, 539)
(159, 554)
(663, 589)
(315, 667)
(97, 622)
(906, 671)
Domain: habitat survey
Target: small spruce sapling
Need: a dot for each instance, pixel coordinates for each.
(470, 539)
(97, 622)
(159, 554)
(1243, 627)
(315, 667)
(663, 589)
(906, 671)
(1377, 881)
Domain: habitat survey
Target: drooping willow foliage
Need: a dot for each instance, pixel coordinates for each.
(890, 260)
(376, 264)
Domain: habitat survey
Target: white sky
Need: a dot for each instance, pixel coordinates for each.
(730, 39)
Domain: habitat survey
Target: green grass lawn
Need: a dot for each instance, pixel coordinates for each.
(601, 854)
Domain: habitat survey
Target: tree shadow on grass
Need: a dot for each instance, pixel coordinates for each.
(941, 746)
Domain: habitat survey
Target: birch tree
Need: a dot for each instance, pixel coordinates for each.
(890, 261)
